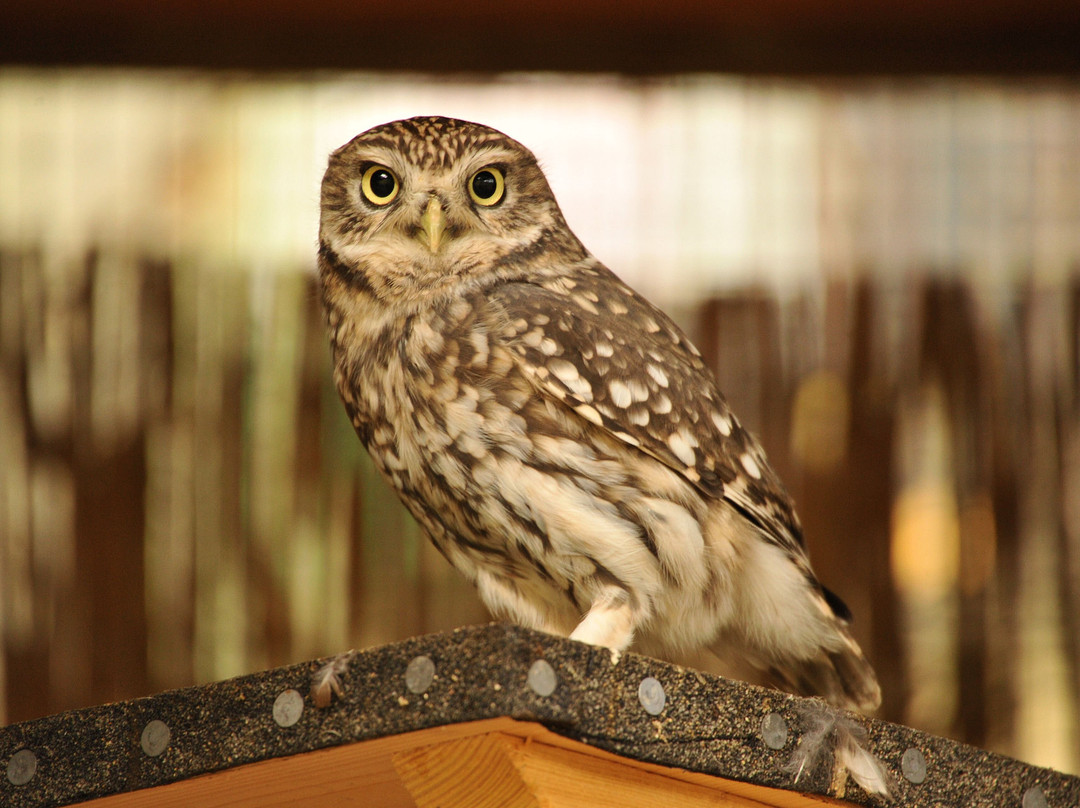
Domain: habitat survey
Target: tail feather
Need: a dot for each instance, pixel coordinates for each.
(843, 678)
(837, 671)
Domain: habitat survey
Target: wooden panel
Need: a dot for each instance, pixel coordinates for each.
(478, 772)
(525, 763)
(639, 37)
(782, 13)
(502, 770)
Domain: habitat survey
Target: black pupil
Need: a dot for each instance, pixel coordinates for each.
(382, 183)
(484, 185)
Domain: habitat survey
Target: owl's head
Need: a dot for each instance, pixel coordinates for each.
(419, 205)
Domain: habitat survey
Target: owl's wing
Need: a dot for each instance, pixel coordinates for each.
(619, 362)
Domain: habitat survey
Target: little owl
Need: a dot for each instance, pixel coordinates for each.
(560, 440)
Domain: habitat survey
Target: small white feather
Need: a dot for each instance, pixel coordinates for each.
(831, 731)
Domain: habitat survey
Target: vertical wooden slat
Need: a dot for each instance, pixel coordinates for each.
(55, 300)
(277, 546)
(949, 351)
(845, 505)
(168, 573)
(872, 444)
(319, 595)
(1067, 418)
(109, 525)
(1042, 723)
(1008, 408)
(21, 648)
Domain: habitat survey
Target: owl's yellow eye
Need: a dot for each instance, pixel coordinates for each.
(379, 185)
(487, 186)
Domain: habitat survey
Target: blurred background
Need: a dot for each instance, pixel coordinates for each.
(867, 218)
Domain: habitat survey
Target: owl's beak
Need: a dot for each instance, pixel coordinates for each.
(433, 224)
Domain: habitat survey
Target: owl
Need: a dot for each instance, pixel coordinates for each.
(559, 439)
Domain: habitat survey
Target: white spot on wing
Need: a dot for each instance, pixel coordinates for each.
(589, 413)
(585, 303)
(751, 466)
(638, 391)
(689, 437)
(620, 393)
(723, 423)
(657, 373)
(568, 374)
(681, 449)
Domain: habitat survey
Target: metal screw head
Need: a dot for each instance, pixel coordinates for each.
(774, 730)
(913, 765)
(288, 707)
(22, 767)
(651, 695)
(419, 674)
(155, 738)
(1034, 798)
(542, 679)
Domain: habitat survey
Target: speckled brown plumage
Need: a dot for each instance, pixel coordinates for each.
(557, 436)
